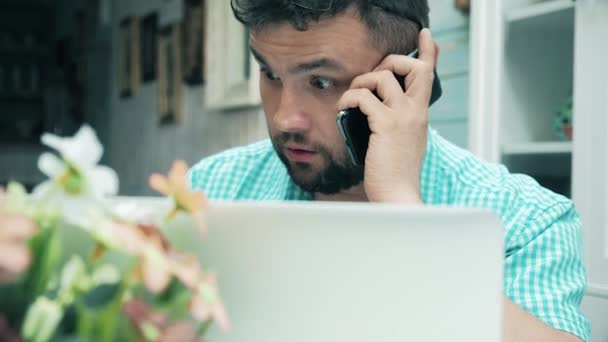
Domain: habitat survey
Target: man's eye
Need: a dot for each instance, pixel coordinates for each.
(321, 83)
(269, 74)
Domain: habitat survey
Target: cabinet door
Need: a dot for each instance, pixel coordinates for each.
(590, 158)
(486, 61)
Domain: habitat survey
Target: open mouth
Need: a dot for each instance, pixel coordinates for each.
(299, 154)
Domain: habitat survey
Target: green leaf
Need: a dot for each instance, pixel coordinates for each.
(46, 254)
(73, 339)
(41, 320)
(69, 322)
(101, 296)
(177, 308)
(175, 288)
(14, 301)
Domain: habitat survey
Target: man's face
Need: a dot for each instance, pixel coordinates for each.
(303, 75)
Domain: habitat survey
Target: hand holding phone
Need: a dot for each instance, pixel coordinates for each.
(354, 127)
(385, 122)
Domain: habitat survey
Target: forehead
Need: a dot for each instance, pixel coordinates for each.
(344, 38)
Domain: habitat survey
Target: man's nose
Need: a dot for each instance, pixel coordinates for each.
(291, 115)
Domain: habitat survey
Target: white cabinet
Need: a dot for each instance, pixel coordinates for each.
(590, 153)
(591, 137)
(527, 58)
(522, 74)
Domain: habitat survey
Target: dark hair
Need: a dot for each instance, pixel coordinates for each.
(393, 24)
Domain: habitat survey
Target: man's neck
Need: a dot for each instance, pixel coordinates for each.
(354, 194)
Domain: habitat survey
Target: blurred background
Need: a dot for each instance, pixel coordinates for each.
(68, 62)
(172, 79)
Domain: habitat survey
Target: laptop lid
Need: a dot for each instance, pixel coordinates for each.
(354, 272)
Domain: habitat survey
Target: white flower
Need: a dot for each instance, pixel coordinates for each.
(76, 183)
(77, 172)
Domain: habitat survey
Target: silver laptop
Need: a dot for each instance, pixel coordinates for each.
(302, 272)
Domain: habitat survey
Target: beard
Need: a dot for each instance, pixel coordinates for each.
(335, 176)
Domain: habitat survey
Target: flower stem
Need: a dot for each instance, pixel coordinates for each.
(112, 314)
(85, 322)
(203, 327)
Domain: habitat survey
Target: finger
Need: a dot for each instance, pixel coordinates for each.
(418, 75)
(363, 98)
(398, 64)
(16, 227)
(384, 83)
(419, 85)
(426, 46)
(14, 259)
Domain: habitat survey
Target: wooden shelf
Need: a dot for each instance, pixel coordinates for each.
(537, 148)
(539, 9)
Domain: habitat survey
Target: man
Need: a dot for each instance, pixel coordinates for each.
(319, 57)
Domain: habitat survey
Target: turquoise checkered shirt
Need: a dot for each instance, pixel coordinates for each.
(544, 271)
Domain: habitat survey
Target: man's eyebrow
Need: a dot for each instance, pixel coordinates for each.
(321, 63)
(258, 56)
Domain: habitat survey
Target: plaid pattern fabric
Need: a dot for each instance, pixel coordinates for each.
(544, 272)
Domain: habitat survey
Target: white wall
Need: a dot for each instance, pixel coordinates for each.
(596, 309)
(138, 145)
(450, 27)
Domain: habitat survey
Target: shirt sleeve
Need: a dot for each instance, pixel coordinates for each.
(544, 271)
(216, 176)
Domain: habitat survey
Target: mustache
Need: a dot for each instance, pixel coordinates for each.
(284, 137)
(280, 139)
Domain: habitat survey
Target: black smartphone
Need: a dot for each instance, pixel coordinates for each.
(354, 128)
